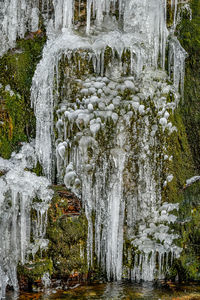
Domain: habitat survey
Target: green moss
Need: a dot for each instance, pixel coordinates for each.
(33, 271)
(184, 146)
(187, 267)
(18, 65)
(185, 149)
(189, 30)
(67, 234)
(182, 165)
(177, 271)
(108, 54)
(189, 36)
(13, 126)
(17, 68)
(38, 169)
(67, 238)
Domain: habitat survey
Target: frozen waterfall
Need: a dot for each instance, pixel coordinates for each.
(92, 163)
(100, 97)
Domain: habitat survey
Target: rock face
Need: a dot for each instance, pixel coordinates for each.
(113, 136)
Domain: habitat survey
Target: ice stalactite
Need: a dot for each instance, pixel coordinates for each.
(18, 189)
(156, 248)
(17, 17)
(174, 6)
(148, 20)
(98, 9)
(63, 13)
(44, 98)
(177, 56)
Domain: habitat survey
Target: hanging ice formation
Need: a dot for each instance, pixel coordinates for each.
(18, 189)
(107, 146)
(110, 117)
(17, 17)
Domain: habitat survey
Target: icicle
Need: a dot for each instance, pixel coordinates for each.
(175, 12)
(23, 201)
(79, 8)
(177, 56)
(89, 5)
(102, 63)
(68, 7)
(58, 8)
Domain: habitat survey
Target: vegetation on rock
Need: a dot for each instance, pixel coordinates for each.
(17, 67)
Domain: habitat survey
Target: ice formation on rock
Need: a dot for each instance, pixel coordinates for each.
(116, 175)
(145, 35)
(108, 176)
(192, 180)
(177, 56)
(18, 189)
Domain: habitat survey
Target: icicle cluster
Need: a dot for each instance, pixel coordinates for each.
(14, 17)
(18, 189)
(145, 36)
(155, 245)
(17, 17)
(102, 168)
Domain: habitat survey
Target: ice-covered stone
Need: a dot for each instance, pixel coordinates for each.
(94, 128)
(90, 107)
(163, 121)
(129, 84)
(141, 109)
(192, 180)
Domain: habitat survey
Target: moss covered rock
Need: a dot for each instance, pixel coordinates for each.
(188, 266)
(189, 35)
(65, 258)
(32, 272)
(17, 67)
(184, 145)
(67, 234)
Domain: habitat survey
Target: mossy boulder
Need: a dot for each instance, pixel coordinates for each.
(33, 271)
(67, 234)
